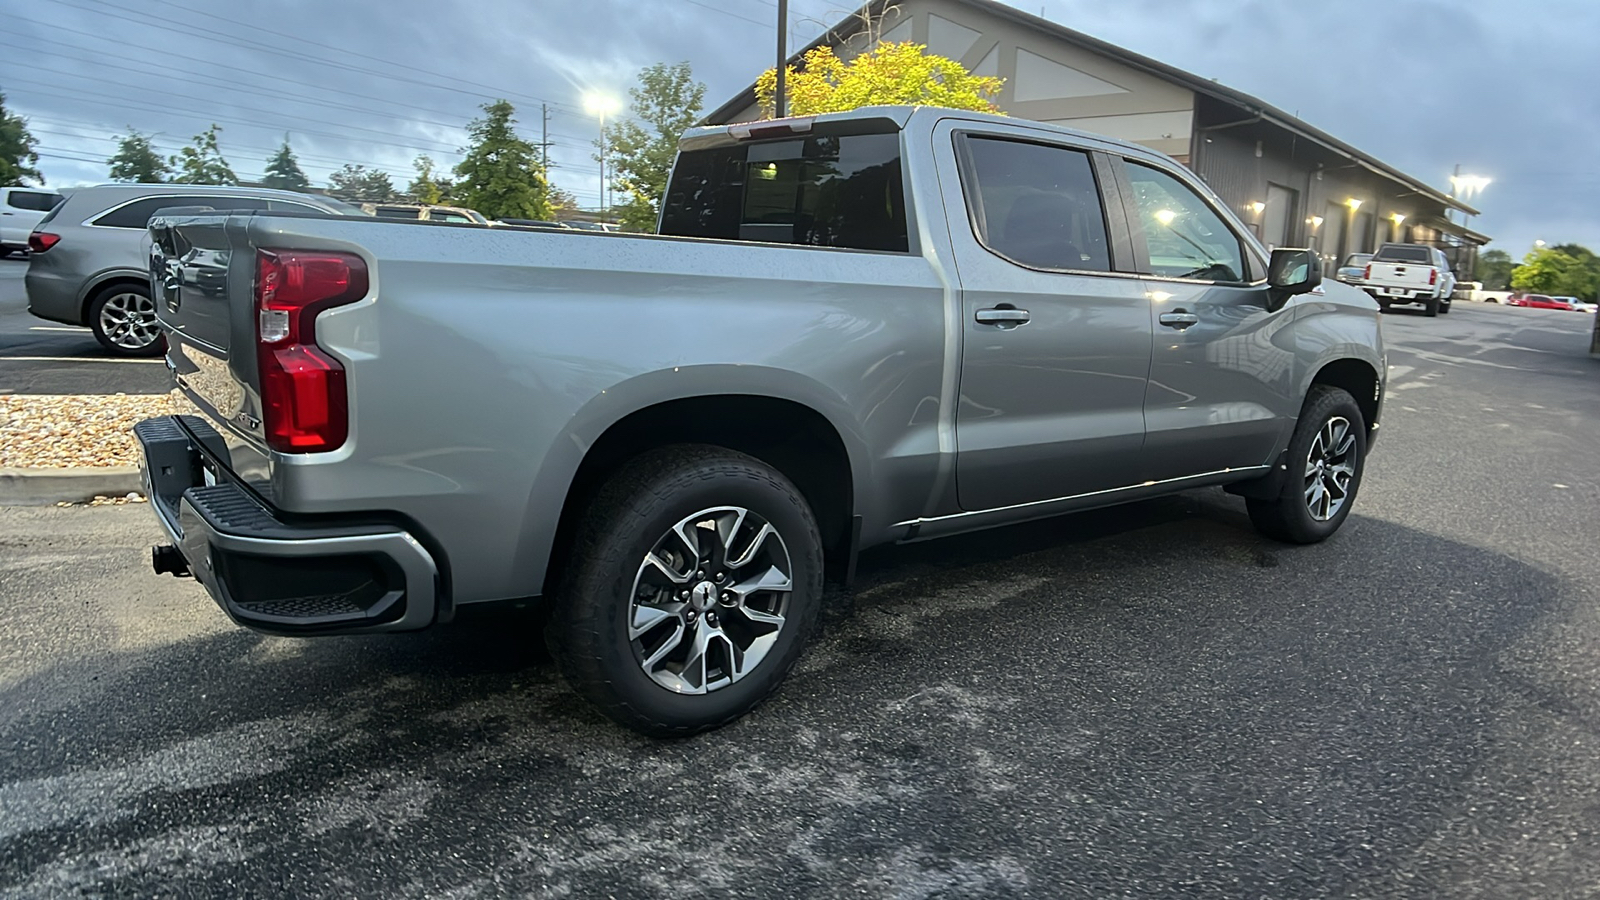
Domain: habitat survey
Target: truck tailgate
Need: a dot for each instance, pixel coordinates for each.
(1402, 275)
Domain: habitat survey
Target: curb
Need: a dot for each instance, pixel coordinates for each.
(45, 487)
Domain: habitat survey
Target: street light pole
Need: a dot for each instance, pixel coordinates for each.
(778, 104)
(605, 189)
(598, 105)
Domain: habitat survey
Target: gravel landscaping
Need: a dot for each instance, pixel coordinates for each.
(74, 431)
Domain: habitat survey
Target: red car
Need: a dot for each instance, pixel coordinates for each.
(1540, 301)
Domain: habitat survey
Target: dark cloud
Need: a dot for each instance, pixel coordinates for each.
(1503, 88)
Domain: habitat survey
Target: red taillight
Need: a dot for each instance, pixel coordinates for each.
(1368, 276)
(1433, 277)
(304, 409)
(40, 241)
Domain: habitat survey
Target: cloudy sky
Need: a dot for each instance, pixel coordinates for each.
(1505, 88)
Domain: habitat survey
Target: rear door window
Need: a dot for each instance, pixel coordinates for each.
(1185, 237)
(821, 190)
(34, 201)
(137, 214)
(1036, 205)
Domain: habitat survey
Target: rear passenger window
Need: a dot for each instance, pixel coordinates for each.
(137, 214)
(1186, 238)
(1036, 205)
(35, 201)
(823, 190)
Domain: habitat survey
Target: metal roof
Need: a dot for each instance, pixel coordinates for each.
(853, 24)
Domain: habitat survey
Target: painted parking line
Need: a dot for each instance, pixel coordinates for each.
(76, 359)
(74, 329)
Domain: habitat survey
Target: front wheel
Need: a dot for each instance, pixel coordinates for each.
(123, 319)
(1326, 458)
(695, 579)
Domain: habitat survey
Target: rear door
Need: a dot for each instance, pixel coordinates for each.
(1221, 390)
(1055, 340)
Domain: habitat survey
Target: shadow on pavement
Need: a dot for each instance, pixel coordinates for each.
(1141, 700)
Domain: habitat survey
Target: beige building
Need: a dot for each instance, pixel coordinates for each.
(1293, 183)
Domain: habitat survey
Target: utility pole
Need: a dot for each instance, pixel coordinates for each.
(778, 105)
(544, 137)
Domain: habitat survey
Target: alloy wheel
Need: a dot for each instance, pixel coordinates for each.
(1330, 468)
(709, 600)
(128, 319)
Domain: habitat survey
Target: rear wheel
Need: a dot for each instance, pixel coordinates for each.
(123, 319)
(695, 580)
(1431, 307)
(1326, 458)
(1444, 307)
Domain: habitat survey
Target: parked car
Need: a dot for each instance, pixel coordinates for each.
(1573, 303)
(425, 212)
(674, 440)
(1354, 268)
(87, 265)
(1400, 274)
(21, 208)
(1542, 301)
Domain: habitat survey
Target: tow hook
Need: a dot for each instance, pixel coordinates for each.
(166, 560)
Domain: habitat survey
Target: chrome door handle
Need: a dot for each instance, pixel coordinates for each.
(1002, 316)
(1179, 319)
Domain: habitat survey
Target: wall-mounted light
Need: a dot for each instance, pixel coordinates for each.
(1257, 206)
(1353, 203)
(1315, 222)
(1398, 217)
(1165, 216)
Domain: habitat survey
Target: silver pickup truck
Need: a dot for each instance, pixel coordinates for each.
(889, 325)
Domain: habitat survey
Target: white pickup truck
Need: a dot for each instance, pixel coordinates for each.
(1410, 273)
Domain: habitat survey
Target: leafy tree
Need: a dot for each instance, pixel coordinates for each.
(666, 101)
(137, 161)
(1546, 270)
(358, 184)
(284, 172)
(501, 175)
(201, 162)
(428, 187)
(903, 73)
(18, 159)
(1494, 270)
(1586, 281)
(562, 204)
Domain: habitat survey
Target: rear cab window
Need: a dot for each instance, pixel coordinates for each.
(841, 189)
(1397, 253)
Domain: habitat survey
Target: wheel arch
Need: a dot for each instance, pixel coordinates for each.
(1358, 378)
(94, 284)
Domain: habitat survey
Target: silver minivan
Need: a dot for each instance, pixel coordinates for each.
(86, 265)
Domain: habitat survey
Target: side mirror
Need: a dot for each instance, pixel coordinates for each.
(1292, 272)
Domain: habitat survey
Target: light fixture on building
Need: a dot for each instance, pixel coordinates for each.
(1397, 217)
(1353, 203)
(1165, 216)
(1257, 206)
(1464, 186)
(1315, 222)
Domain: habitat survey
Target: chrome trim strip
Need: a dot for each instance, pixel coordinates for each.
(913, 523)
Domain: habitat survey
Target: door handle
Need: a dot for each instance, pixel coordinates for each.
(1179, 319)
(1003, 316)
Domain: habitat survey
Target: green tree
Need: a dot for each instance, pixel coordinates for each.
(501, 176)
(1546, 270)
(201, 162)
(1494, 270)
(666, 101)
(562, 203)
(18, 158)
(428, 186)
(136, 161)
(1585, 282)
(893, 74)
(284, 172)
(358, 184)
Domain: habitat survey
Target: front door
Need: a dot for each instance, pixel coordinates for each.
(1056, 342)
(1221, 393)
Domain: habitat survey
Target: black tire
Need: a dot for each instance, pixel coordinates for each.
(121, 293)
(1444, 308)
(634, 511)
(1431, 307)
(1288, 517)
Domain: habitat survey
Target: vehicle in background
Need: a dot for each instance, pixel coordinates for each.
(581, 225)
(88, 267)
(1577, 305)
(426, 212)
(1543, 301)
(854, 329)
(1354, 268)
(530, 223)
(1400, 274)
(21, 209)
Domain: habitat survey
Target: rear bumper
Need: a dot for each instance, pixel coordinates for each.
(1406, 295)
(270, 574)
(52, 297)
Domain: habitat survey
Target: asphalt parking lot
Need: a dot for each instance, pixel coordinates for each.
(39, 357)
(1150, 701)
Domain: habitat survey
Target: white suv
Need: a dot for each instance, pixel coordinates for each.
(22, 208)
